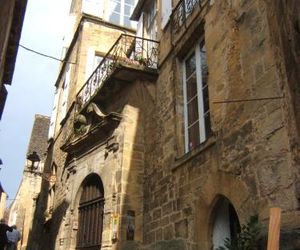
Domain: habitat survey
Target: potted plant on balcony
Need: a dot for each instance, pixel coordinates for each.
(141, 60)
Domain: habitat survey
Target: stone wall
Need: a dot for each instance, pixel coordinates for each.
(23, 208)
(248, 159)
(251, 158)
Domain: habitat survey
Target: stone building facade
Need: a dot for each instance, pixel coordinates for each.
(11, 21)
(182, 132)
(22, 209)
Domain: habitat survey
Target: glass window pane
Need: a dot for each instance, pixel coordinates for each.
(97, 61)
(193, 111)
(194, 137)
(114, 18)
(205, 99)
(204, 68)
(207, 124)
(114, 6)
(131, 2)
(127, 10)
(190, 65)
(127, 22)
(191, 87)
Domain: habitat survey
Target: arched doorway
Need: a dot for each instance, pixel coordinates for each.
(225, 223)
(90, 219)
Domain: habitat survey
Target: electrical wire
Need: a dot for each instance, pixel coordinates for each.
(42, 54)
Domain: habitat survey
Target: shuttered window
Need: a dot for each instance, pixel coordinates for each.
(65, 91)
(53, 114)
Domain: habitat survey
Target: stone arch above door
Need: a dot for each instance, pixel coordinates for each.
(218, 185)
(224, 222)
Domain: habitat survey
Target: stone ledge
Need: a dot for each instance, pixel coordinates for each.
(190, 155)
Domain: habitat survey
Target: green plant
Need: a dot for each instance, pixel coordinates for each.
(142, 60)
(249, 237)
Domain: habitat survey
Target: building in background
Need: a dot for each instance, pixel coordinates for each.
(3, 199)
(171, 138)
(23, 207)
(11, 21)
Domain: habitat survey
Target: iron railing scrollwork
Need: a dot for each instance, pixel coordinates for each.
(127, 49)
(181, 12)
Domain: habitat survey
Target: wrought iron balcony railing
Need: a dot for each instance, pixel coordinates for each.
(181, 12)
(127, 50)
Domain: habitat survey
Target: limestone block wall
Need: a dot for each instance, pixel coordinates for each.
(248, 159)
(97, 37)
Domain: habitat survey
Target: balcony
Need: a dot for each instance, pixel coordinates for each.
(130, 58)
(183, 16)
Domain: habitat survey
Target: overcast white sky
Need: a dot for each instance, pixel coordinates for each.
(32, 88)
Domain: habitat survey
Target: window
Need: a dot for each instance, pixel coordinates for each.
(97, 60)
(196, 102)
(151, 14)
(166, 10)
(65, 89)
(120, 12)
(92, 7)
(53, 114)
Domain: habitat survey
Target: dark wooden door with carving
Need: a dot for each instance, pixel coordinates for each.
(90, 220)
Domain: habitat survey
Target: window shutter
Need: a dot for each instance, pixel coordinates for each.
(66, 92)
(53, 115)
(166, 11)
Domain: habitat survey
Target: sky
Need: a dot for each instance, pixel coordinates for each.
(32, 89)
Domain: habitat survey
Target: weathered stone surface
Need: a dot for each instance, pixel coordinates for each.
(169, 245)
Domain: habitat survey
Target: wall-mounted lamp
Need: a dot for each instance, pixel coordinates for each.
(33, 161)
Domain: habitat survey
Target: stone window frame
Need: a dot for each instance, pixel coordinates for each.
(204, 123)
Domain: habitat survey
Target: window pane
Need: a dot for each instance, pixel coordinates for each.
(192, 111)
(114, 6)
(207, 124)
(127, 10)
(193, 132)
(190, 65)
(204, 68)
(114, 18)
(97, 61)
(131, 2)
(127, 22)
(205, 99)
(191, 87)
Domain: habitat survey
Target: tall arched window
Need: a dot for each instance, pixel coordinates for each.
(226, 223)
(90, 220)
